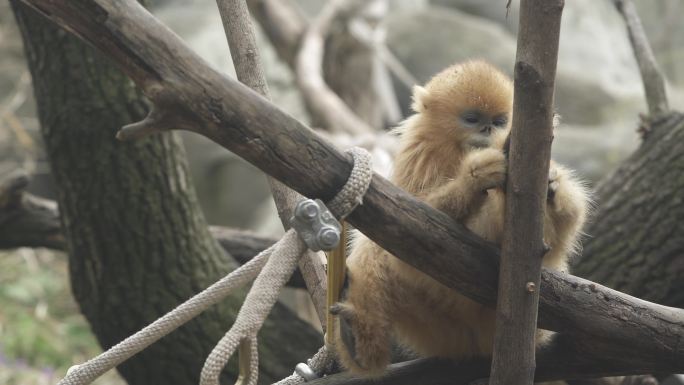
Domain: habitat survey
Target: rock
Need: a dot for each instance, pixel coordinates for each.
(428, 40)
(230, 190)
(492, 10)
(597, 74)
(594, 151)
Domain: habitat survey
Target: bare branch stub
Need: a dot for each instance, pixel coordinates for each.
(531, 135)
(651, 76)
(244, 122)
(25, 219)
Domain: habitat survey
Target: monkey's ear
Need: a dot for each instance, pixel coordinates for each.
(420, 96)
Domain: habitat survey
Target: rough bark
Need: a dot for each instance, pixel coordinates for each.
(635, 242)
(138, 244)
(523, 247)
(605, 321)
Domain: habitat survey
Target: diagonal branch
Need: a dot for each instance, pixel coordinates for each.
(242, 121)
(651, 76)
(523, 247)
(240, 35)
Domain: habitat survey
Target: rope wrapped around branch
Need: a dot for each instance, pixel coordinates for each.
(271, 275)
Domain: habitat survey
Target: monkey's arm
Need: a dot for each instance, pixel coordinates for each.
(481, 170)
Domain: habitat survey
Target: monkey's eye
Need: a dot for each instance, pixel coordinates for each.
(500, 121)
(470, 118)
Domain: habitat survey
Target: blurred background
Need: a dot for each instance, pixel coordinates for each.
(599, 96)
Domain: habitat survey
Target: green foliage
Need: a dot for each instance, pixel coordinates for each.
(42, 332)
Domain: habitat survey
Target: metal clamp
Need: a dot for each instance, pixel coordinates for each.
(316, 225)
(305, 372)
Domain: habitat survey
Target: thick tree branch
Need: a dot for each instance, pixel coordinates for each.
(245, 54)
(568, 357)
(651, 76)
(526, 190)
(242, 121)
(32, 221)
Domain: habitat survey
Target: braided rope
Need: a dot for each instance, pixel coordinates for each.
(321, 363)
(353, 191)
(272, 269)
(94, 368)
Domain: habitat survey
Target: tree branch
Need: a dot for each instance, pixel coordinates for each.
(30, 221)
(567, 357)
(526, 191)
(242, 121)
(323, 104)
(651, 76)
(284, 24)
(25, 219)
(245, 54)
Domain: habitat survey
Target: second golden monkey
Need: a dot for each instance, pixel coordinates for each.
(451, 156)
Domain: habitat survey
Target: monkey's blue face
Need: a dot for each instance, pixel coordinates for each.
(480, 125)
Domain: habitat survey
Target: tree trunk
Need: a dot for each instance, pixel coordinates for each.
(138, 243)
(635, 241)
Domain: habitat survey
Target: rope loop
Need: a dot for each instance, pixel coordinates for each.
(351, 194)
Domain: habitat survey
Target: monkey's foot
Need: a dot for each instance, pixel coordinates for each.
(362, 346)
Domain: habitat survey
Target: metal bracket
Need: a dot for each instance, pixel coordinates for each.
(316, 225)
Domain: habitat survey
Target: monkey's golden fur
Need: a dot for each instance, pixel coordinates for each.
(438, 164)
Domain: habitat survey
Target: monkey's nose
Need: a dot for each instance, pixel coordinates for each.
(486, 129)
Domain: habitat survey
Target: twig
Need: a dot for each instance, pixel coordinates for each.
(651, 76)
(248, 67)
(605, 322)
(323, 104)
(526, 188)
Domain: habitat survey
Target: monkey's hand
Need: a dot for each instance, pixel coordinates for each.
(484, 169)
(481, 170)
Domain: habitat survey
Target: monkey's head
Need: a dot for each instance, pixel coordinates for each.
(466, 103)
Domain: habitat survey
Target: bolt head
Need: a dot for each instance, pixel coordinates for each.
(328, 237)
